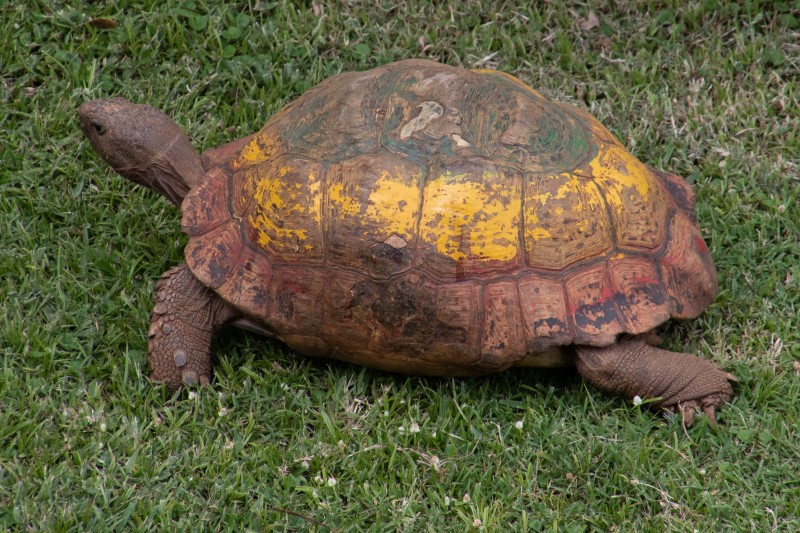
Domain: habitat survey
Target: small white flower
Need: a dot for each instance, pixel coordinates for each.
(318, 479)
(331, 481)
(519, 424)
(192, 395)
(402, 402)
(340, 444)
(386, 413)
(221, 395)
(223, 411)
(477, 522)
(401, 429)
(637, 400)
(103, 426)
(466, 498)
(304, 464)
(414, 428)
(446, 501)
(434, 434)
(101, 445)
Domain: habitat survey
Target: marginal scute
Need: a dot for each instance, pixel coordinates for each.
(503, 341)
(214, 255)
(644, 302)
(457, 307)
(688, 273)
(544, 312)
(681, 192)
(247, 286)
(296, 300)
(338, 293)
(593, 302)
(206, 206)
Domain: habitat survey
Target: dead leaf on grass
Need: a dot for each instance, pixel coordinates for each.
(103, 23)
(590, 22)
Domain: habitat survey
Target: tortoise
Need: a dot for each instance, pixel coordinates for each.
(425, 219)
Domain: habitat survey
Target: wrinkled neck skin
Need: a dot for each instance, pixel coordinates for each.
(172, 173)
(143, 145)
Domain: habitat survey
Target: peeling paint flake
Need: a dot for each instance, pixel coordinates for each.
(429, 111)
(459, 140)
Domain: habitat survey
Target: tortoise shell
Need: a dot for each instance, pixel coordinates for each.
(423, 218)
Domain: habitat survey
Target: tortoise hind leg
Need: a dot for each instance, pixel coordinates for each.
(631, 367)
(185, 316)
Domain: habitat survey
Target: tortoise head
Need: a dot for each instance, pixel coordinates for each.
(142, 144)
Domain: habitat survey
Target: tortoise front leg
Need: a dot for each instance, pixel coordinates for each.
(185, 316)
(631, 367)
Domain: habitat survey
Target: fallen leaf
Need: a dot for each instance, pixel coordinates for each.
(591, 22)
(103, 23)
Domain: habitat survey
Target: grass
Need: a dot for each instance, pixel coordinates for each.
(707, 89)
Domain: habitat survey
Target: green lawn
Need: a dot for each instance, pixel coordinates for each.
(706, 89)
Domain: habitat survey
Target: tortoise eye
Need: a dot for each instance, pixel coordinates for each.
(99, 128)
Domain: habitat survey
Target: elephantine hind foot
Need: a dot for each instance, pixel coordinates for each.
(684, 383)
(182, 324)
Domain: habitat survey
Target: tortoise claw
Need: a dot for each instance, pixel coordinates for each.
(710, 412)
(191, 378)
(689, 410)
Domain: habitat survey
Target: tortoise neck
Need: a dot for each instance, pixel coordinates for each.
(174, 172)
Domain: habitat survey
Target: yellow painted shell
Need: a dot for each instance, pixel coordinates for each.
(423, 218)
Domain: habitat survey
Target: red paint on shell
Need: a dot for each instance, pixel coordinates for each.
(700, 243)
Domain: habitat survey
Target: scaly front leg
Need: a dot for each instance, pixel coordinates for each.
(182, 324)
